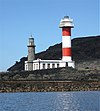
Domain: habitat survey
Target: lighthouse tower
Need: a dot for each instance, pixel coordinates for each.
(66, 24)
(31, 53)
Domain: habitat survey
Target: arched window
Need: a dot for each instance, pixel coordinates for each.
(53, 65)
(48, 66)
(43, 66)
(57, 65)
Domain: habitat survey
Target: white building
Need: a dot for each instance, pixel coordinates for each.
(47, 64)
(32, 64)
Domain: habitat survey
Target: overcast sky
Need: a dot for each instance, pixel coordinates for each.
(21, 18)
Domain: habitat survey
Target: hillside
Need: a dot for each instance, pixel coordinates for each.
(83, 49)
(57, 79)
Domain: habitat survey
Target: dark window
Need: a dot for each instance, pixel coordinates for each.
(66, 64)
(53, 65)
(43, 66)
(57, 65)
(48, 66)
(26, 67)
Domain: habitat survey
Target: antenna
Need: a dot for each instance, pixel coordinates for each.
(31, 35)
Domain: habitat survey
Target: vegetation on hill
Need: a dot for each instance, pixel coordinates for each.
(83, 48)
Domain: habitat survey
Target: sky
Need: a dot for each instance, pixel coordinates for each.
(21, 18)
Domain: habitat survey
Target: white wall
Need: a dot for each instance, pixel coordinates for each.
(38, 64)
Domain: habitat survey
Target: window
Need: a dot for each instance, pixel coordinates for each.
(48, 66)
(34, 66)
(26, 67)
(57, 65)
(43, 66)
(66, 64)
(53, 65)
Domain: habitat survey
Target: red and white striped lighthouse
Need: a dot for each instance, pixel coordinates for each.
(66, 25)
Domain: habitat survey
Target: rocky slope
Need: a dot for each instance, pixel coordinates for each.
(56, 74)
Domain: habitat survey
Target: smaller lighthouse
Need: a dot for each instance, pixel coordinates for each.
(31, 53)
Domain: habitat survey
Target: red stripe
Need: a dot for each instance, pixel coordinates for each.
(66, 31)
(66, 51)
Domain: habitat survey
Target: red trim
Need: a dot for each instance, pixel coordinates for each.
(66, 31)
(66, 51)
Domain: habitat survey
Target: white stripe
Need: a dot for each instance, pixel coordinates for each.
(66, 41)
(66, 58)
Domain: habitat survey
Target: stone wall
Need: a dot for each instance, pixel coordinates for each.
(48, 86)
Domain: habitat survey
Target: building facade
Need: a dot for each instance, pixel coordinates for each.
(47, 64)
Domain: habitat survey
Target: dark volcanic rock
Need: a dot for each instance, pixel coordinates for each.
(86, 48)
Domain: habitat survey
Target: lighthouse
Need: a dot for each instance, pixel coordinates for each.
(66, 25)
(31, 53)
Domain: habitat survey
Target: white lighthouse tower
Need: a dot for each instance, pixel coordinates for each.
(66, 24)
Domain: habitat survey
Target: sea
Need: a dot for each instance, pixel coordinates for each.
(50, 101)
